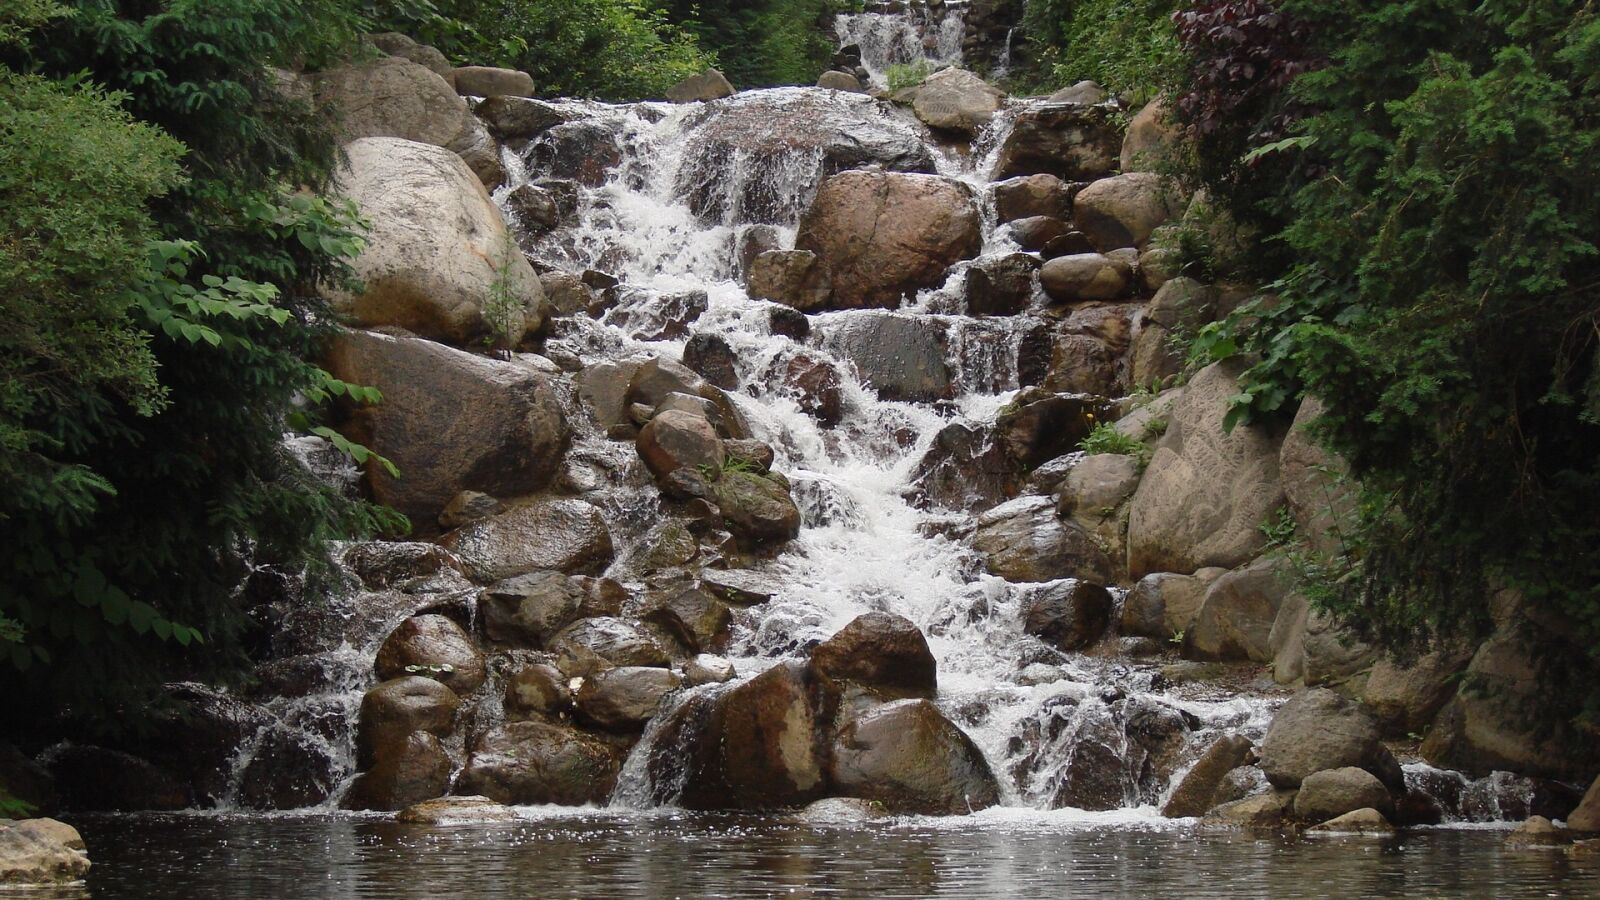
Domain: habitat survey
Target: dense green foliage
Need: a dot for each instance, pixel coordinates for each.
(764, 43)
(608, 49)
(1127, 47)
(1439, 288)
(158, 330)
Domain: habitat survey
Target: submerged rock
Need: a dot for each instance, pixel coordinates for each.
(1362, 821)
(456, 811)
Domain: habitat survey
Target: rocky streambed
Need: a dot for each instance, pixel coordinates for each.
(767, 495)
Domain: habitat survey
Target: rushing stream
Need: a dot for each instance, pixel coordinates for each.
(669, 219)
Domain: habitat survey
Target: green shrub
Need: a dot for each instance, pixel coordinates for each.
(1105, 438)
(1127, 46)
(904, 75)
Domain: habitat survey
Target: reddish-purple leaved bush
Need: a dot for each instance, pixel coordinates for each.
(1244, 54)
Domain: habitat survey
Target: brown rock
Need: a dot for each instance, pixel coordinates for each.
(881, 652)
(624, 699)
(1032, 195)
(415, 770)
(708, 85)
(1197, 792)
(1318, 729)
(535, 762)
(1122, 211)
(488, 81)
(1236, 617)
(795, 278)
(1084, 276)
(1069, 616)
(909, 757)
(434, 644)
(543, 533)
(675, 439)
(530, 609)
(1025, 541)
(398, 708)
(1333, 792)
(1071, 141)
(610, 641)
(1036, 232)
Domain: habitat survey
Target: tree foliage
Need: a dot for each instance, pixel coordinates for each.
(1439, 288)
(763, 43)
(1127, 47)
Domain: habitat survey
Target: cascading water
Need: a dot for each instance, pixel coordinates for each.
(916, 33)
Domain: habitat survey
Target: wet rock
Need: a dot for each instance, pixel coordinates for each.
(436, 248)
(1236, 617)
(1152, 136)
(566, 293)
(1038, 425)
(790, 323)
(1035, 232)
(710, 356)
(738, 587)
(1069, 616)
(525, 763)
(1071, 141)
(289, 770)
(399, 707)
(704, 668)
(1197, 792)
(965, 469)
(909, 757)
(756, 746)
(1084, 276)
(1269, 810)
(694, 617)
(385, 564)
(416, 769)
(1082, 364)
(842, 811)
(624, 699)
(1317, 730)
(956, 100)
(543, 533)
(1362, 821)
(437, 646)
(511, 118)
(1586, 818)
(676, 439)
(882, 236)
(881, 652)
(1535, 833)
(816, 385)
(584, 151)
(39, 853)
(1032, 195)
(1206, 492)
(457, 811)
(1073, 243)
(795, 278)
(1000, 285)
(466, 507)
(835, 80)
(1123, 210)
(708, 85)
(1023, 540)
(902, 357)
(757, 508)
(537, 689)
(753, 241)
(1333, 792)
(741, 150)
(534, 209)
(100, 780)
(1165, 604)
(449, 421)
(488, 81)
(647, 315)
(529, 609)
(612, 641)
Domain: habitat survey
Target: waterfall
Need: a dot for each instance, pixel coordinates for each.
(917, 33)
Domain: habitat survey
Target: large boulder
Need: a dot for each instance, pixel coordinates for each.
(882, 236)
(416, 769)
(624, 699)
(100, 780)
(956, 100)
(511, 118)
(1236, 617)
(742, 155)
(902, 357)
(543, 533)
(438, 248)
(1151, 137)
(1197, 792)
(1315, 484)
(1069, 615)
(1164, 604)
(708, 85)
(792, 277)
(881, 652)
(1001, 285)
(530, 609)
(1032, 195)
(1123, 210)
(675, 439)
(1333, 792)
(449, 421)
(1024, 540)
(1071, 141)
(397, 708)
(1407, 696)
(755, 746)
(1318, 729)
(436, 646)
(1095, 495)
(393, 43)
(909, 757)
(1206, 492)
(393, 97)
(1085, 276)
(40, 853)
(1586, 818)
(526, 763)
(1494, 721)
(1039, 425)
(757, 508)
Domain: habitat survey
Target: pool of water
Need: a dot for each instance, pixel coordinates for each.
(596, 854)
